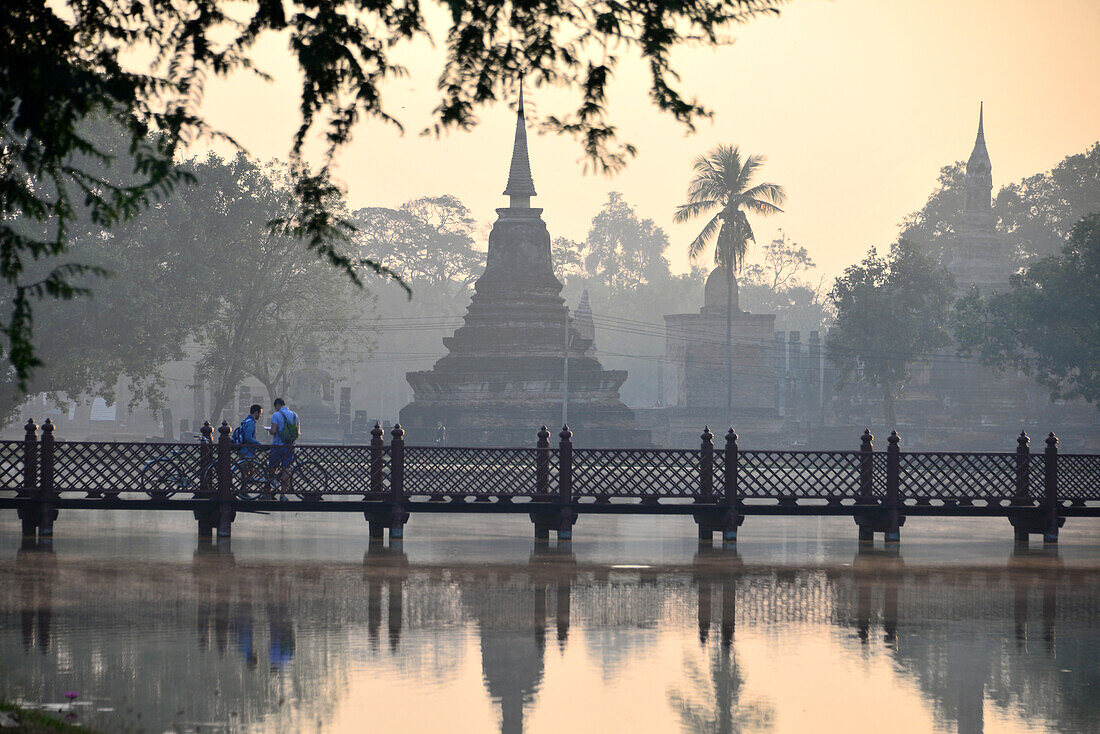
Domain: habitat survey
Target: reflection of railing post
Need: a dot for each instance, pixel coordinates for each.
(377, 451)
(29, 514)
(706, 466)
(893, 480)
(45, 480)
(542, 463)
(1023, 471)
(1050, 486)
(225, 490)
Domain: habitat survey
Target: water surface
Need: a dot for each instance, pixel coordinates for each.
(300, 624)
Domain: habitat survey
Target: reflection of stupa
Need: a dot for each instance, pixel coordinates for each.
(502, 377)
(511, 652)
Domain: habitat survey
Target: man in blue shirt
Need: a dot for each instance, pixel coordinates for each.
(284, 430)
(248, 431)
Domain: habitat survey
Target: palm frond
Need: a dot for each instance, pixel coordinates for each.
(762, 208)
(692, 209)
(769, 192)
(702, 240)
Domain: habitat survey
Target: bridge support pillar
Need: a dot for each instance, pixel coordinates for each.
(387, 517)
(724, 520)
(554, 517)
(879, 519)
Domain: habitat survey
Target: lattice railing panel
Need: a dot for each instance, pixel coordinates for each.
(111, 468)
(645, 473)
(719, 464)
(1036, 472)
(878, 475)
(453, 472)
(926, 476)
(794, 475)
(11, 465)
(1078, 477)
(334, 469)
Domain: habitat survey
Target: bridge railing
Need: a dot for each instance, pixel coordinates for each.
(45, 470)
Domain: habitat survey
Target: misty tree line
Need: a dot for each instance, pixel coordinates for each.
(210, 271)
(895, 311)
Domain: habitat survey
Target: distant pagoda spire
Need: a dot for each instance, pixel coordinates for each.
(979, 171)
(521, 186)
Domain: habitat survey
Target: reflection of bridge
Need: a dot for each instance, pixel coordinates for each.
(554, 485)
(964, 634)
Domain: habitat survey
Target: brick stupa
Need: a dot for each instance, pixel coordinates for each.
(502, 377)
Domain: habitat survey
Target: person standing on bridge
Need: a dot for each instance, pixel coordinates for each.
(245, 434)
(285, 429)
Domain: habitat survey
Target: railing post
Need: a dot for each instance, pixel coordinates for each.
(866, 494)
(208, 516)
(542, 463)
(731, 490)
(45, 481)
(706, 467)
(893, 480)
(30, 514)
(377, 453)
(206, 459)
(732, 487)
(1050, 486)
(226, 512)
(397, 464)
(565, 484)
(1023, 470)
(565, 467)
(397, 514)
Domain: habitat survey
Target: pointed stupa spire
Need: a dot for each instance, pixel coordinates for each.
(521, 187)
(979, 171)
(979, 157)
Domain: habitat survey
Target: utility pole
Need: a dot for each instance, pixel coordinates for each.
(565, 373)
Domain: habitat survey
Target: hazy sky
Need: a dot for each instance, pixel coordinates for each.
(856, 103)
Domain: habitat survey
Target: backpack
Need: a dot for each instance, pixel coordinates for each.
(238, 433)
(289, 430)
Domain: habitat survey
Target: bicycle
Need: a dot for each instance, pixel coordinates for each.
(169, 474)
(253, 478)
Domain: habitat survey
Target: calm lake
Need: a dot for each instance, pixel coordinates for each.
(467, 626)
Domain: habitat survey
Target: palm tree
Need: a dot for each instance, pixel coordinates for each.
(723, 182)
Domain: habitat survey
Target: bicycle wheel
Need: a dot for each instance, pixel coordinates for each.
(161, 478)
(309, 480)
(251, 479)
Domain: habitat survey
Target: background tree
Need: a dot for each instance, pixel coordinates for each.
(1048, 324)
(1034, 215)
(1037, 215)
(270, 300)
(429, 241)
(622, 249)
(723, 182)
(130, 328)
(890, 313)
(62, 61)
(776, 284)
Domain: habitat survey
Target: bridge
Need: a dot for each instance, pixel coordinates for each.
(719, 486)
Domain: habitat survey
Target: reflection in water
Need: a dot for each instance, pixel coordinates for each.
(277, 646)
